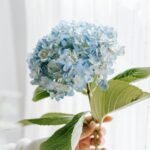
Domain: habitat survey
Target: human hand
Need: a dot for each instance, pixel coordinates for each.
(87, 137)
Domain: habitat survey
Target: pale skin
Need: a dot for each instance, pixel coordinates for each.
(87, 138)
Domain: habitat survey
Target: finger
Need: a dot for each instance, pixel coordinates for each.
(92, 142)
(97, 127)
(98, 141)
(103, 149)
(93, 148)
(85, 141)
(88, 130)
(77, 148)
(101, 131)
(88, 118)
(107, 119)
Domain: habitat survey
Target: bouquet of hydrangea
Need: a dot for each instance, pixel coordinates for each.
(79, 57)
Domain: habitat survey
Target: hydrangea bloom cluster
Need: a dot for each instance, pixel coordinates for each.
(72, 55)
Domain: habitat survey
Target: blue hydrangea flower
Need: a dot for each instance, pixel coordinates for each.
(72, 55)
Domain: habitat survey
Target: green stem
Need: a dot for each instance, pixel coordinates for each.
(95, 132)
(95, 139)
(88, 92)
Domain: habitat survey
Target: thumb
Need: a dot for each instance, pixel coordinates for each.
(107, 119)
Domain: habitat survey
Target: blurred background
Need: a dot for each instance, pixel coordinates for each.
(23, 22)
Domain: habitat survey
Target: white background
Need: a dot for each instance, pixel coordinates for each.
(23, 22)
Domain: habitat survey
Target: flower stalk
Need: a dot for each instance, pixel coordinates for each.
(88, 92)
(95, 139)
(95, 132)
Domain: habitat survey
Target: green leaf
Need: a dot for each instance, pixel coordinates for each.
(133, 74)
(49, 119)
(39, 94)
(67, 137)
(119, 95)
(145, 95)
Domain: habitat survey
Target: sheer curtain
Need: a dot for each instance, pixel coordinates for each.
(29, 20)
(130, 128)
(12, 72)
